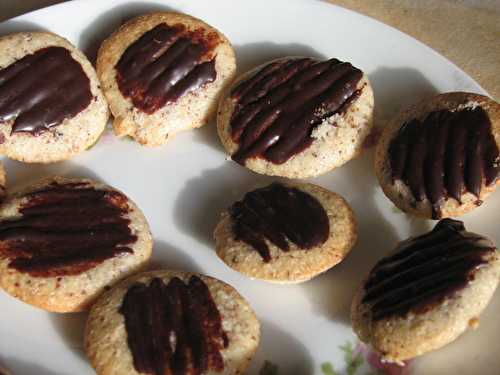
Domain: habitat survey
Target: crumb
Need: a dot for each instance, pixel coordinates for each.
(474, 323)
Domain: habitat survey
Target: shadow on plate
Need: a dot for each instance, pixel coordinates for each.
(397, 88)
(283, 350)
(22, 174)
(168, 257)
(9, 27)
(203, 198)
(331, 293)
(71, 328)
(416, 225)
(20, 367)
(104, 25)
(207, 135)
(251, 55)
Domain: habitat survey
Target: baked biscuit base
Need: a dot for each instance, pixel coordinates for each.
(191, 110)
(106, 336)
(296, 265)
(399, 193)
(72, 293)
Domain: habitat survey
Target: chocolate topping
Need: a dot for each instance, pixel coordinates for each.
(41, 90)
(446, 154)
(425, 270)
(279, 214)
(278, 107)
(174, 328)
(66, 229)
(164, 64)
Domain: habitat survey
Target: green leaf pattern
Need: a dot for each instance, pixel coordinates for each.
(268, 368)
(353, 360)
(328, 369)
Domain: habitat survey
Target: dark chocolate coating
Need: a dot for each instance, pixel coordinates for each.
(446, 154)
(174, 328)
(66, 229)
(279, 214)
(164, 64)
(41, 90)
(277, 108)
(425, 270)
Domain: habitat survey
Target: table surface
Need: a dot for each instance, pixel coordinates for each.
(465, 31)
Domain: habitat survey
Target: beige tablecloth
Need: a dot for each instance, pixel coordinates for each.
(465, 31)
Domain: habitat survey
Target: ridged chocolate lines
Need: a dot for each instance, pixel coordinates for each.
(66, 230)
(446, 154)
(164, 64)
(278, 107)
(279, 214)
(41, 90)
(174, 328)
(425, 269)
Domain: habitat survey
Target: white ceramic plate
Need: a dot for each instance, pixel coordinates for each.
(183, 186)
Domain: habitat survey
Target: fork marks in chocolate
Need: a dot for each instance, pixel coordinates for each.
(41, 90)
(164, 64)
(425, 270)
(66, 229)
(446, 154)
(278, 107)
(279, 214)
(174, 328)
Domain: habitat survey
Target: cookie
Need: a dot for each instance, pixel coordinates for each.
(440, 158)
(296, 117)
(63, 241)
(286, 233)
(162, 73)
(51, 104)
(164, 322)
(427, 293)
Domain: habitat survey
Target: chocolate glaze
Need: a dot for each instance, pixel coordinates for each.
(426, 269)
(279, 214)
(174, 328)
(41, 90)
(164, 64)
(278, 107)
(66, 229)
(446, 154)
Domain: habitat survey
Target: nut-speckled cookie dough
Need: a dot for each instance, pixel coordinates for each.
(63, 241)
(427, 293)
(440, 158)
(296, 117)
(286, 233)
(162, 73)
(159, 321)
(51, 104)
